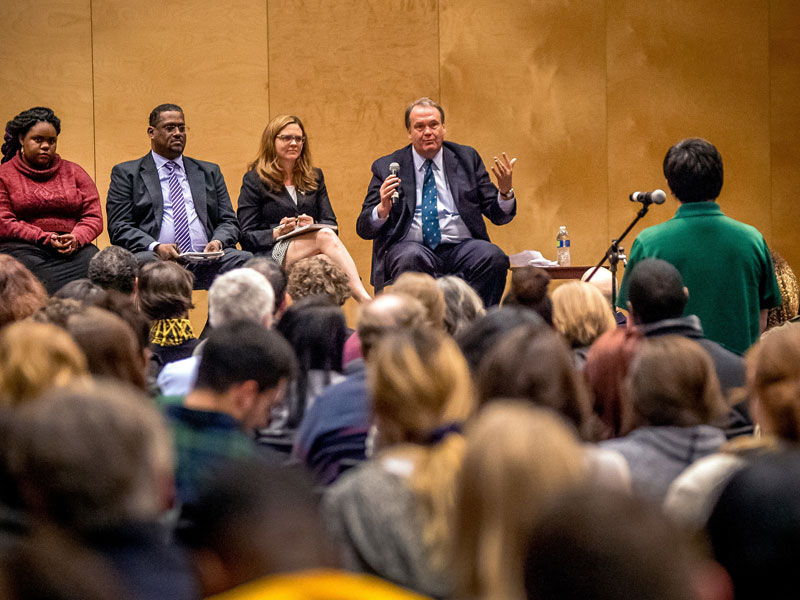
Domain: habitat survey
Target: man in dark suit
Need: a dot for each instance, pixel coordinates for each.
(165, 204)
(436, 224)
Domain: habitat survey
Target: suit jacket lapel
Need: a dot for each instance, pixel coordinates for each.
(197, 183)
(151, 182)
(452, 171)
(408, 182)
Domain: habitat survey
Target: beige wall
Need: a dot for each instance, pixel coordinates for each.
(588, 95)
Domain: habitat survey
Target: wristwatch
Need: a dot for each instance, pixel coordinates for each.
(508, 195)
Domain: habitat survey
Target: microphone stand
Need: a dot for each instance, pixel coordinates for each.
(613, 254)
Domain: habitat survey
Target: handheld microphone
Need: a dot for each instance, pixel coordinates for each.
(394, 168)
(654, 197)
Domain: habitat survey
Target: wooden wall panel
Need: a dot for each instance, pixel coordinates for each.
(47, 61)
(785, 128)
(348, 70)
(529, 78)
(686, 68)
(210, 58)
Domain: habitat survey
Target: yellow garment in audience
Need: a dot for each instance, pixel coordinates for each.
(318, 585)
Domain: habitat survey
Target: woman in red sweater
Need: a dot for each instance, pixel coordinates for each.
(49, 207)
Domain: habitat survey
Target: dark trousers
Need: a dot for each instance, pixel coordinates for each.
(54, 270)
(205, 272)
(480, 263)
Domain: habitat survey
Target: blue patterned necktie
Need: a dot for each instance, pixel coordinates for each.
(431, 234)
(179, 216)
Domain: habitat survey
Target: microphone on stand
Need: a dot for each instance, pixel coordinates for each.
(394, 168)
(647, 198)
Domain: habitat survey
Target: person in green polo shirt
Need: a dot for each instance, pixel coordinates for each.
(725, 264)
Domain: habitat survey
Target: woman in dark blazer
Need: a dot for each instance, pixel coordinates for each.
(282, 191)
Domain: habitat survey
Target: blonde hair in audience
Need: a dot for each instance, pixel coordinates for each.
(423, 287)
(773, 381)
(269, 169)
(518, 458)
(35, 357)
(420, 382)
(581, 313)
(672, 382)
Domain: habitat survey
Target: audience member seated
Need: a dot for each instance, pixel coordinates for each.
(606, 545)
(423, 287)
(318, 275)
(529, 289)
(484, 333)
(518, 459)
(602, 280)
(164, 295)
(258, 534)
(581, 314)
(316, 330)
(392, 515)
(462, 304)
(244, 370)
(675, 395)
(111, 347)
(333, 433)
(97, 462)
(21, 294)
(282, 192)
(607, 365)
(790, 298)
(114, 268)
(36, 357)
(165, 204)
(773, 377)
(83, 290)
(241, 294)
(754, 529)
(49, 207)
(277, 278)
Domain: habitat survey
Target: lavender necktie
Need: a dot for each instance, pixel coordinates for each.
(179, 216)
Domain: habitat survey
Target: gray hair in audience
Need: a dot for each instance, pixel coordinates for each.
(240, 294)
(92, 456)
(386, 313)
(114, 268)
(462, 304)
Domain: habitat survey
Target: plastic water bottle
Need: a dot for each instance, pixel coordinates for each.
(562, 247)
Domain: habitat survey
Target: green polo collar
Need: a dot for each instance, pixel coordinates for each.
(699, 209)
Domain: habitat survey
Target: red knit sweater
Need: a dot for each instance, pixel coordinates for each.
(34, 204)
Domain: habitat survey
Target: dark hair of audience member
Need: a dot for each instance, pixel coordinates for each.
(124, 307)
(36, 357)
(241, 351)
(754, 528)
(111, 346)
(672, 382)
(656, 291)
(462, 303)
(423, 287)
(607, 365)
(275, 274)
(254, 518)
(535, 364)
(91, 457)
(164, 290)
(50, 565)
(483, 333)
(316, 330)
(529, 289)
(693, 168)
(21, 293)
(318, 275)
(518, 458)
(114, 268)
(81, 289)
(773, 382)
(607, 545)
